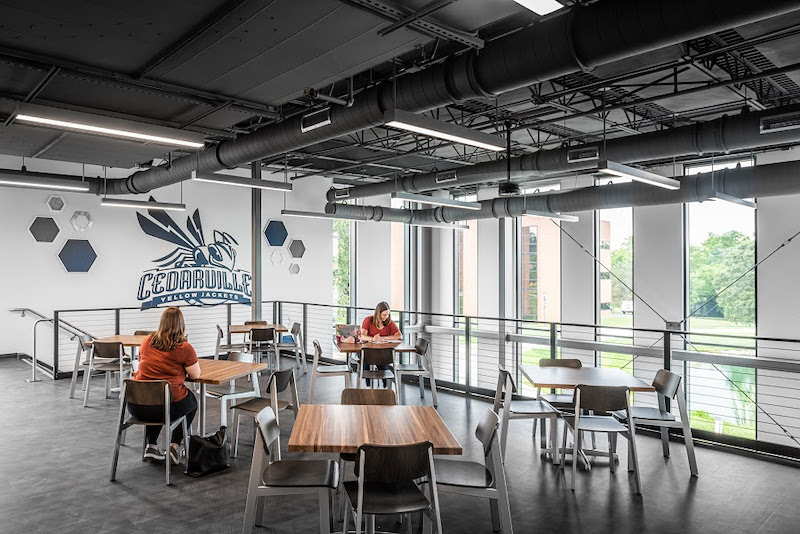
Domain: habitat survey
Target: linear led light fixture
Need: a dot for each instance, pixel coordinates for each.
(37, 182)
(318, 215)
(404, 120)
(637, 175)
(437, 201)
(142, 204)
(240, 181)
(551, 215)
(717, 195)
(106, 131)
(540, 7)
(440, 225)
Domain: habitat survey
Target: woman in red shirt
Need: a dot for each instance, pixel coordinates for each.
(380, 327)
(166, 355)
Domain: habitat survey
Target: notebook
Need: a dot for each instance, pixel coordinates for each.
(348, 333)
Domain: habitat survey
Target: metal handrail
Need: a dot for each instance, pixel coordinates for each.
(72, 329)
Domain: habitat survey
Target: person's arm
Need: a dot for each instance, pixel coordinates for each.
(365, 330)
(395, 335)
(193, 371)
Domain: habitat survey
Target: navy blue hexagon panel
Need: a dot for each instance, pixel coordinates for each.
(44, 229)
(77, 255)
(275, 233)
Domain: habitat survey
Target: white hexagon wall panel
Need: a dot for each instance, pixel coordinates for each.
(55, 203)
(276, 258)
(81, 221)
(294, 268)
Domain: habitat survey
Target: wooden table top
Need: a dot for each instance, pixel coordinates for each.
(567, 378)
(343, 428)
(397, 346)
(126, 340)
(222, 371)
(245, 328)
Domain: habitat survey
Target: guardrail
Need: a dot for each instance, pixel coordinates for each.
(741, 390)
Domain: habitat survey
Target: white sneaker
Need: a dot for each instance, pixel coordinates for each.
(152, 453)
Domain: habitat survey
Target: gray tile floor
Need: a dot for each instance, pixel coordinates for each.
(56, 457)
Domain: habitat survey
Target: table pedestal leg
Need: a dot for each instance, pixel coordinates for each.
(202, 409)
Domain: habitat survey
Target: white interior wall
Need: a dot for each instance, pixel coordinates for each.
(373, 259)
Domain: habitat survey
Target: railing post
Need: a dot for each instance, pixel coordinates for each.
(468, 356)
(667, 357)
(116, 321)
(305, 330)
(229, 320)
(55, 344)
(553, 333)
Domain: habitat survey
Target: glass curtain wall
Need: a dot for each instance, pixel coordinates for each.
(721, 246)
(342, 280)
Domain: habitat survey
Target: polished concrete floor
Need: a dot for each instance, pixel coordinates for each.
(56, 456)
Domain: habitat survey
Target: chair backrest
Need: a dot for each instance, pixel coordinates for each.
(560, 362)
(666, 383)
(144, 332)
(147, 392)
(255, 322)
(505, 386)
(376, 397)
(246, 357)
(85, 341)
(262, 334)
(486, 431)
(317, 353)
(295, 330)
(220, 334)
(600, 399)
(422, 346)
(394, 463)
(269, 431)
(107, 350)
(282, 379)
(377, 356)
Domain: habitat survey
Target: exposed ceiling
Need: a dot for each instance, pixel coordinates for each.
(216, 69)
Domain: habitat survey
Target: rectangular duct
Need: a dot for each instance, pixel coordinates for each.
(314, 120)
(341, 193)
(446, 176)
(780, 123)
(588, 153)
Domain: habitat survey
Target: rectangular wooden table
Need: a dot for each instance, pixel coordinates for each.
(126, 340)
(343, 428)
(351, 348)
(567, 378)
(246, 328)
(218, 372)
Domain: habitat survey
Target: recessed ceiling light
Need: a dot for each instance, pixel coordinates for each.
(142, 204)
(437, 201)
(412, 122)
(38, 182)
(638, 175)
(540, 7)
(318, 215)
(240, 181)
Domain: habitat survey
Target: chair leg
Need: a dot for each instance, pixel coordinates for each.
(347, 512)
(235, 433)
(421, 386)
(564, 446)
(144, 442)
(687, 439)
(324, 511)
(433, 388)
(503, 436)
(75, 369)
(249, 511)
(665, 441)
(223, 411)
(552, 435)
(115, 458)
(575, 448)
(185, 439)
(635, 458)
(611, 451)
(493, 508)
(86, 381)
(313, 385)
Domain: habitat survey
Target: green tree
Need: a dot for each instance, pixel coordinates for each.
(341, 267)
(622, 267)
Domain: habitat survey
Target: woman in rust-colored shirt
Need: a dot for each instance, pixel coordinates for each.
(380, 327)
(166, 355)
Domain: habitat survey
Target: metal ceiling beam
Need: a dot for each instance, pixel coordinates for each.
(393, 13)
(753, 102)
(430, 8)
(42, 84)
(49, 145)
(191, 36)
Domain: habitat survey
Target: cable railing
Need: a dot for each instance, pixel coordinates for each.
(741, 390)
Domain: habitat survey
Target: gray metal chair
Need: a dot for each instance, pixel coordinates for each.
(386, 485)
(323, 371)
(84, 346)
(296, 346)
(486, 480)
(147, 393)
(262, 341)
(108, 358)
(279, 382)
(560, 401)
(270, 475)
(667, 386)
(421, 368)
(379, 358)
(601, 401)
(523, 409)
(233, 391)
(220, 347)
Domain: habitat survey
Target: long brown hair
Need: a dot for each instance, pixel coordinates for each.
(171, 330)
(379, 309)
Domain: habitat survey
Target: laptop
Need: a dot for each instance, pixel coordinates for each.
(348, 333)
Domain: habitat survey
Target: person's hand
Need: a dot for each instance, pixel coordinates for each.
(375, 338)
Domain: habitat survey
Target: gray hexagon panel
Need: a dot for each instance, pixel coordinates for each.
(294, 268)
(44, 229)
(275, 233)
(297, 248)
(81, 221)
(77, 255)
(55, 203)
(276, 258)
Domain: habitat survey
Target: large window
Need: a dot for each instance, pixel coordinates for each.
(467, 266)
(341, 267)
(399, 261)
(721, 300)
